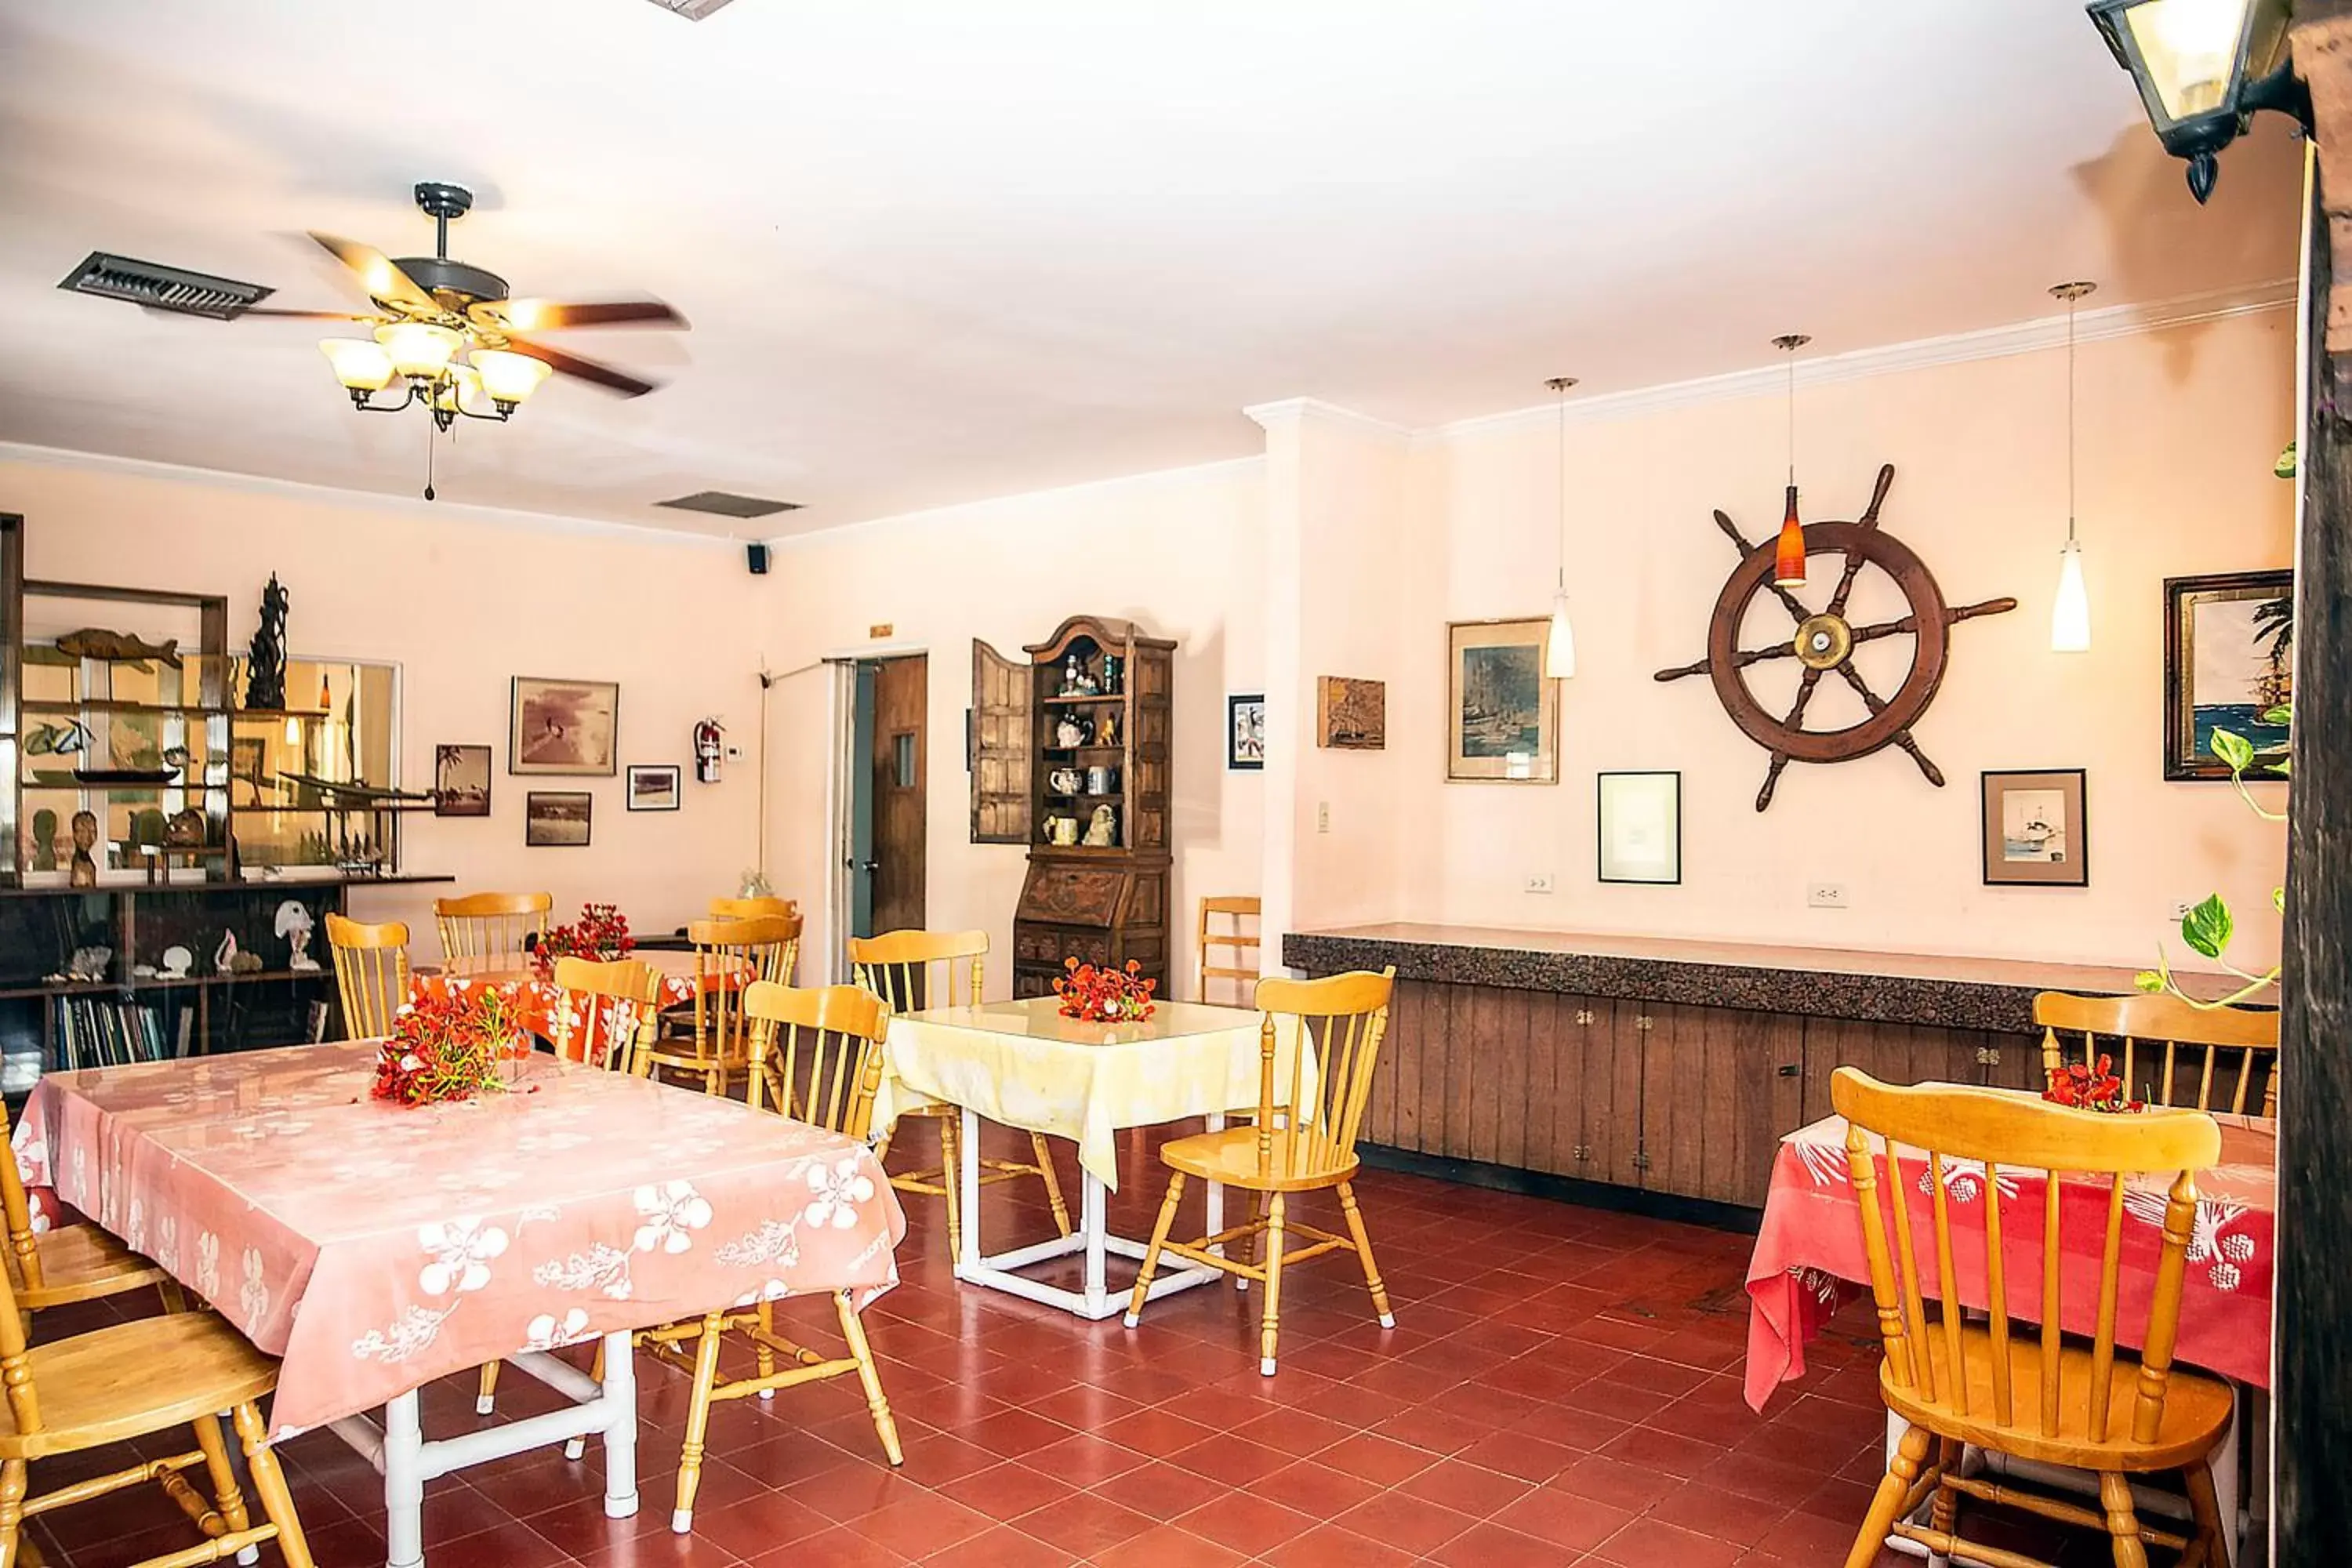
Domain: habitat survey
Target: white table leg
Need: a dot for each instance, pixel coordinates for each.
(967, 1180)
(404, 1483)
(1093, 1222)
(620, 1400)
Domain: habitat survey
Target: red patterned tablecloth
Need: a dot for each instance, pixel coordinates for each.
(1809, 1258)
(376, 1247)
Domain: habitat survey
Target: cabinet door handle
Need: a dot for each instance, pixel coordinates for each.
(1584, 1016)
(1641, 1162)
(1791, 1070)
(1644, 1022)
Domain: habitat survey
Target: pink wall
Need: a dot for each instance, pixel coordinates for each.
(462, 600)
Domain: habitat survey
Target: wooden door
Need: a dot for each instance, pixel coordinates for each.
(897, 763)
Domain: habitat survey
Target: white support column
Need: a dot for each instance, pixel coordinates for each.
(404, 1483)
(620, 1404)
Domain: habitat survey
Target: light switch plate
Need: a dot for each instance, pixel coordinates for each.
(1322, 817)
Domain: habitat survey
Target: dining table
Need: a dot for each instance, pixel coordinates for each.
(375, 1247)
(1023, 1064)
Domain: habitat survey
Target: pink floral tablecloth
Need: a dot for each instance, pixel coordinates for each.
(376, 1248)
(1809, 1258)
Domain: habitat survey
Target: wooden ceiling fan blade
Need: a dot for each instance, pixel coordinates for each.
(587, 370)
(381, 278)
(550, 315)
(311, 315)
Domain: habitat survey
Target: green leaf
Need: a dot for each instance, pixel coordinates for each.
(2281, 716)
(2209, 927)
(2233, 749)
(2279, 767)
(2284, 466)
(2148, 980)
(2278, 899)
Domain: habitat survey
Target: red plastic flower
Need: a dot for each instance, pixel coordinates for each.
(1105, 996)
(448, 1044)
(2091, 1088)
(602, 933)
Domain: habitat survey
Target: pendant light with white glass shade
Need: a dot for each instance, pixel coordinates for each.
(2070, 611)
(1560, 641)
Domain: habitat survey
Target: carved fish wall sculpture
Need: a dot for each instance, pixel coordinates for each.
(94, 642)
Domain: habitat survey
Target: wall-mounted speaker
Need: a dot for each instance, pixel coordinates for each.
(755, 556)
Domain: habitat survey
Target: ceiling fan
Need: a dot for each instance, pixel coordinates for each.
(452, 333)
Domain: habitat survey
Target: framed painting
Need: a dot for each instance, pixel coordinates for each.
(563, 726)
(461, 780)
(2036, 831)
(1351, 715)
(1245, 732)
(557, 818)
(1641, 827)
(2229, 662)
(1502, 716)
(653, 786)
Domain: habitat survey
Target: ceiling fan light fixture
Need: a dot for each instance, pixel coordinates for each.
(419, 347)
(362, 366)
(509, 377)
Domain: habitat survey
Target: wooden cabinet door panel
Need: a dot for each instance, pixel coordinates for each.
(1610, 1086)
(1506, 1074)
(1892, 1053)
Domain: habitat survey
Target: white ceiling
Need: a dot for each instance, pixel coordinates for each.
(937, 250)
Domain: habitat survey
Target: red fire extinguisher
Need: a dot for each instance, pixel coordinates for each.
(709, 746)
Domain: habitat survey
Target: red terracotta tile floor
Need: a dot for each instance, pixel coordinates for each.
(1562, 1387)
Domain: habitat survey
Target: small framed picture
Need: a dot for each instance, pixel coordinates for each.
(2228, 664)
(2036, 833)
(1641, 827)
(653, 786)
(461, 780)
(563, 726)
(1351, 715)
(1504, 716)
(557, 818)
(1245, 732)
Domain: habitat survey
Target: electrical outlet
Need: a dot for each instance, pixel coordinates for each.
(1538, 882)
(1322, 817)
(2181, 910)
(1826, 896)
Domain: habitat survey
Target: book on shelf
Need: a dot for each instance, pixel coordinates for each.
(96, 1032)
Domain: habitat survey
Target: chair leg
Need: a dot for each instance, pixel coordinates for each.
(854, 1330)
(1256, 1240)
(1151, 1254)
(697, 1422)
(12, 1509)
(2123, 1523)
(2207, 1510)
(1045, 1157)
(269, 1483)
(951, 1178)
(1945, 1512)
(767, 1355)
(1888, 1501)
(226, 1496)
(1268, 1331)
(1364, 1251)
(174, 1299)
(486, 1397)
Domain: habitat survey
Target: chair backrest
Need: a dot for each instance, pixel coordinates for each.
(2142, 1027)
(914, 968)
(820, 1051)
(480, 925)
(371, 972)
(24, 1249)
(617, 1006)
(729, 955)
(752, 908)
(2015, 1138)
(1337, 1024)
(1239, 934)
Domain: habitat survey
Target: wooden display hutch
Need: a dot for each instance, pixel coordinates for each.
(1097, 740)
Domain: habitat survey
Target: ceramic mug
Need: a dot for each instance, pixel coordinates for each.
(1062, 830)
(1064, 780)
(1098, 781)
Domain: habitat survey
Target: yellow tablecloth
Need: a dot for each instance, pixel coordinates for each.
(1025, 1065)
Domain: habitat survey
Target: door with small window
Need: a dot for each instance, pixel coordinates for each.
(896, 763)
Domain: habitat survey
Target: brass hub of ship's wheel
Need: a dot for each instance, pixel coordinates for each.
(1823, 641)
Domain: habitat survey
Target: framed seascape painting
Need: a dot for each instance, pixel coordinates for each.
(1245, 732)
(1641, 827)
(557, 818)
(1502, 716)
(653, 786)
(2036, 833)
(563, 726)
(461, 780)
(2229, 662)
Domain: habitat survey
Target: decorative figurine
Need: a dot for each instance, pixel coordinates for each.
(117, 648)
(45, 840)
(1113, 668)
(224, 955)
(89, 963)
(177, 961)
(1070, 678)
(1069, 732)
(85, 839)
(1108, 735)
(1102, 829)
(265, 675)
(294, 923)
(185, 830)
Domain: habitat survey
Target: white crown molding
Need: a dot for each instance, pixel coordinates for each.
(1296, 410)
(1957, 348)
(409, 506)
(1156, 478)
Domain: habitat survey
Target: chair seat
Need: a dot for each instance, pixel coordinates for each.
(2195, 1407)
(134, 1378)
(80, 1263)
(1230, 1158)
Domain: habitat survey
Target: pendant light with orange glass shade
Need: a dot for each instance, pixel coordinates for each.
(1788, 552)
(1560, 640)
(2070, 611)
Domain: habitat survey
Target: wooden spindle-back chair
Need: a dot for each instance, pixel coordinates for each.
(115, 1385)
(1239, 934)
(754, 909)
(1318, 1042)
(490, 925)
(708, 1040)
(817, 1056)
(2167, 1051)
(371, 972)
(910, 970)
(1996, 1383)
(67, 1263)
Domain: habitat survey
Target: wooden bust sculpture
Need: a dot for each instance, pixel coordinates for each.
(85, 839)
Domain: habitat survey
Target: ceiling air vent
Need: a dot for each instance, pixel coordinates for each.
(692, 10)
(721, 503)
(161, 288)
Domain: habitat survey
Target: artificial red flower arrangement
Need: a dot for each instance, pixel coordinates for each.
(1105, 996)
(602, 933)
(447, 1045)
(2090, 1087)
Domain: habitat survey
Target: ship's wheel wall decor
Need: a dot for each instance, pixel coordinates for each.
(1824, 642)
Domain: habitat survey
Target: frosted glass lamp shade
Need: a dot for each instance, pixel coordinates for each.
(361, 365)
(419, 347)
(509, 377)
(1560, 642)
(2070, 612)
